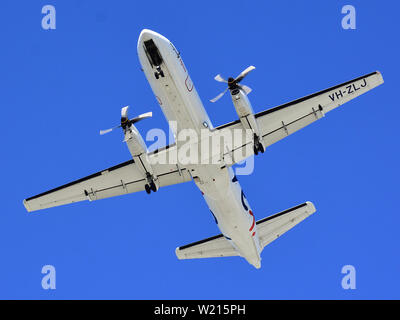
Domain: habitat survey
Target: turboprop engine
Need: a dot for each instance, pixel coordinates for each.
(136, 143)
(133, 138)
(242, 105)
(137, 146)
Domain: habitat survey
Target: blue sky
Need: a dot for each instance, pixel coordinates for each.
(59, 87)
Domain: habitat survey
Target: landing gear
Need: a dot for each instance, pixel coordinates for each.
(258, 147)
(159, 73)
(255, 150)
(150, 186)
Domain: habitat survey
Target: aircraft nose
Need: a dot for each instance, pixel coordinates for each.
(147, 34)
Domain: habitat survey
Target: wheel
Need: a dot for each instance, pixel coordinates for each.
(156, 75)
(261, 148)
(147, 188)
(162, 73)
(153, 187)
(255, 150)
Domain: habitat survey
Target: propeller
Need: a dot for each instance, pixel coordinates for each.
(233, 83)
(125, 122)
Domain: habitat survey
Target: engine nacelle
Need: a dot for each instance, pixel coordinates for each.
(246, 115)
(138, 150)
(134, 141)
(241, 102)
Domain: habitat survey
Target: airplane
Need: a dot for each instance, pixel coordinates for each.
(241, 235)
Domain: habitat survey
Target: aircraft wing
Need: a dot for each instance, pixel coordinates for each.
(279, 122)
(118, 180)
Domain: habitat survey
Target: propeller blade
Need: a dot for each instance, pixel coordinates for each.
(125, 122)
(124, 112)
(219, 96)
(145, 115)
(244, 73)
(219, 78)
(246, 89)
(102, 132)
(141, 117)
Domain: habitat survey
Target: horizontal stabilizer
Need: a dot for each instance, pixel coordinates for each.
(268, 229)
(274, 226)
(217, 246)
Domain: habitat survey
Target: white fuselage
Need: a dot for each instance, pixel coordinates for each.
(181, 104)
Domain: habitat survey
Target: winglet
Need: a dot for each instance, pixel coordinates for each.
(177, 252)
(380, 76)
(27, 206)
(311, 206)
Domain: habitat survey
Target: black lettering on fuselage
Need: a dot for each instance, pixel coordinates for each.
(364, 84)
(349, 89)
(339, 94)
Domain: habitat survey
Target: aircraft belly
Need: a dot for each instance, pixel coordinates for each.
(223, 197)
(180, 102)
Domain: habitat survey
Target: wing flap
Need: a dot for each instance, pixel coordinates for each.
(290, 127)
